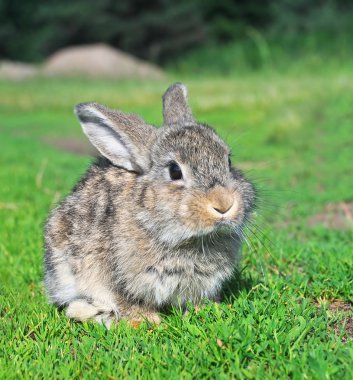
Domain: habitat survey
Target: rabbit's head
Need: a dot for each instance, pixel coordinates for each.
(185, 185)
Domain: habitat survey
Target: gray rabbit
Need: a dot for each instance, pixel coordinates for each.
(158, 221)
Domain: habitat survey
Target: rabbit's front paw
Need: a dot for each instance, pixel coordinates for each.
(83, 310)
(139, 315)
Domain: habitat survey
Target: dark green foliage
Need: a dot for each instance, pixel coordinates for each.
(17, 26)
(159, 29)
(150, 30)
(302, 16)
(228, 20)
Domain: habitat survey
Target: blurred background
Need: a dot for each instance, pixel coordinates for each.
(212, 36)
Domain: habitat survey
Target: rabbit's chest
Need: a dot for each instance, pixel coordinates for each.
(181, 286)
(186, 279)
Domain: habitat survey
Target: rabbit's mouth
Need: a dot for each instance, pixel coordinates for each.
(206, 213)
(224, 227)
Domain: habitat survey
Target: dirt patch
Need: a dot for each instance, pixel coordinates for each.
(349, 329)
(345, 307)
(336, 216)
(17, 71)
(73, 145)
(99, 60)
(341, 306)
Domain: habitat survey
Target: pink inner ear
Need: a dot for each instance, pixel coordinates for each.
(124, 139)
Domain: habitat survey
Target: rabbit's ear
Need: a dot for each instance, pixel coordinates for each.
(123, 138)
(175, 106)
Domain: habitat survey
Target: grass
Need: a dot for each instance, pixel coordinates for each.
(292, 134)
(294, 52)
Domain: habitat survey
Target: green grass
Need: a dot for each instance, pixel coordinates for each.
(293, 134)
(295, 52)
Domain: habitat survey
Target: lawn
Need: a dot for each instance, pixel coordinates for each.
(288, 314)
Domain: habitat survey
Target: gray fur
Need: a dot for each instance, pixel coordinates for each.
(175, 106)
(128, 240)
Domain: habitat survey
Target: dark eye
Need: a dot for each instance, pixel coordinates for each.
(175, 171)
(229, 162)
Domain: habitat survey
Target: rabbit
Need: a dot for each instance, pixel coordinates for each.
(156, 221)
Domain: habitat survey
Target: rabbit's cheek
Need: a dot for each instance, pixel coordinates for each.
(146, 197)
(195, 215)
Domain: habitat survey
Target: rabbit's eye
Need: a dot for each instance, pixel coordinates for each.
(175, 171)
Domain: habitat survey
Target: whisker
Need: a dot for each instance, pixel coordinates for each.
(252, 249)
(263, 234)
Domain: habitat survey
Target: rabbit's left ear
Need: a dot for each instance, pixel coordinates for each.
(175, 106)
(125, 139)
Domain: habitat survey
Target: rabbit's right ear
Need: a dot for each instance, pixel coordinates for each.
(125, 139)
(176, 109)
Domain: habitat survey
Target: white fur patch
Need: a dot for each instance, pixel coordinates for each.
(108, 143)
(92, 285)
(178, 288)
(163, 291)
(184, 90)
(65, 284)
(81, 310)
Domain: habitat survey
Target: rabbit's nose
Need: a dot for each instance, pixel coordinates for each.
(224, 209)
(222, 200)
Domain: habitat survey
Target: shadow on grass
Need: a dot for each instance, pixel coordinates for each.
(230, 292)
(237, 284)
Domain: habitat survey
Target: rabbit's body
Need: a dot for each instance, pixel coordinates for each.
(126, 243)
